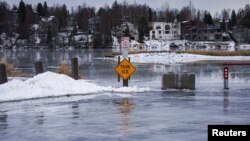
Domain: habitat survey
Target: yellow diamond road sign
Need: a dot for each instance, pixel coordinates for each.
(125, 69)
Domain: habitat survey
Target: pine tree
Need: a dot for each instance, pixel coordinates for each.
(126, 32)
(39, 9)
(23, 28)
(233, 18)
(45, 10)
(208, 19)
(21, 12)
(49, 36)
(150, 19)
(143, 28)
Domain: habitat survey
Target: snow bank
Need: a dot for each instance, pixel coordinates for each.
(156, 45)
(51, 84)
(174, 58)
(244, 47)
(172, 45)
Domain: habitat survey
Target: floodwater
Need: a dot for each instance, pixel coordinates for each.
(174, 115)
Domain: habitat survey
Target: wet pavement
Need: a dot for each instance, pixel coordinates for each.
(176, 115)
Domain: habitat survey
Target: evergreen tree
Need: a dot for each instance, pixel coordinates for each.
(97, 39)
(208, 19)
(14, 8)
(23, 28)
(126, 32)
(39, 9)
(74, 32)
(150, 19)
(49, 36)
(143, 29)
(21, 12)
(45, 10)
(233, 20)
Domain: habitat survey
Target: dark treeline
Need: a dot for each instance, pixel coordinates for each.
(16, 21)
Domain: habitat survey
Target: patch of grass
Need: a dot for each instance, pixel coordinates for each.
(64, 69)
(218, 53)
(10, 69)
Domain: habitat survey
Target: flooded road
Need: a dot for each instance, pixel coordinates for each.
(152, 116)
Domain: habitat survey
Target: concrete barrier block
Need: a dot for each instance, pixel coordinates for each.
(3, 74)
(168, 81)
(188, 81)
(178, 81)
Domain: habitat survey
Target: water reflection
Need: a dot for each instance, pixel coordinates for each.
(40, 118)
(75, 110)
(125, 107)
(3, 122)
(226, 101)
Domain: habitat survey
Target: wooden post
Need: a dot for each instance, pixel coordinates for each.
(38, 67)
(3, 74)
(74, 68)
(125, 83)
(119, 60)
(129, 61)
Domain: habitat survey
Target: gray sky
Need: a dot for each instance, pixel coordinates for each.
(210, 5)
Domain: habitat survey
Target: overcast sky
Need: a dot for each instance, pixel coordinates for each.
(210, 5)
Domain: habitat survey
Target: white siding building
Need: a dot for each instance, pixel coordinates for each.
(165, 31)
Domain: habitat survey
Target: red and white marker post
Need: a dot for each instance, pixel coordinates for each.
(226, 72)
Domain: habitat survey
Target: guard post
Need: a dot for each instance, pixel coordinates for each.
(226, 71)
(3, 74)
(74, 68)
(38, 67)
(119, 60)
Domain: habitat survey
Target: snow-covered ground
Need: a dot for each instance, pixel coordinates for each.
(244, 47)
(172, 45)
(175, 58)
(50, 84)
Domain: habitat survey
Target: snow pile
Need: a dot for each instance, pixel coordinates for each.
(244, 47)
(134, 45)
(172, 45)
(51, 84)
(174, 58)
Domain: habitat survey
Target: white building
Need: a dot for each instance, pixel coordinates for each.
(165, 31)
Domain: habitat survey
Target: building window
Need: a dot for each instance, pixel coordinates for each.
(167, 27)
(166, 32)
(158, 27)
(159, 32)
(153, 32)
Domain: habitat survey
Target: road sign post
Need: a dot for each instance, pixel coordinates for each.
(226, 71)
(125, 69)
(125, 46)
(119, 60)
